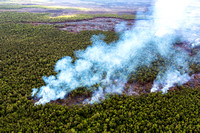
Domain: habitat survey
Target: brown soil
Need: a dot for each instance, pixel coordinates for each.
(137, 89)
(73, 100)
(187, 48)
(99, 23)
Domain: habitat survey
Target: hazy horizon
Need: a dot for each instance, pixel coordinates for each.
(95, 3)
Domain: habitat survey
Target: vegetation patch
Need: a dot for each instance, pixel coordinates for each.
(90, 16)
(16, 17)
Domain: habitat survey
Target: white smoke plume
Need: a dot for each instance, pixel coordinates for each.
(110, 65)
(121, 27)
(169, 80)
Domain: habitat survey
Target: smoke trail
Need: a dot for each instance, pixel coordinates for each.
(110, 65)
(121, 27)
(179, 19)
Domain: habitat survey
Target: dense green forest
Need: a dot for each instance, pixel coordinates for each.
(28, 52)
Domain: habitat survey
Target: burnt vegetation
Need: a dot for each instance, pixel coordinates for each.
(29, 52)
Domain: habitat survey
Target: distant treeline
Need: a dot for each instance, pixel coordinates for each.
(16, 17)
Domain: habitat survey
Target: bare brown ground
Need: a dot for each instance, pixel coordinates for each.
(137, 89)
(99, 23)
(70, 100)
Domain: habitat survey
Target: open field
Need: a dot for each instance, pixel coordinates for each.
(62, 11)
(91, 4)
(73, 8)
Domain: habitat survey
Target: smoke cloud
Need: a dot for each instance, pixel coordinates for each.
(110, 65)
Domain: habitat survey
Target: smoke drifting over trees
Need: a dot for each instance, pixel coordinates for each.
(161, 57)
(110, 65)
